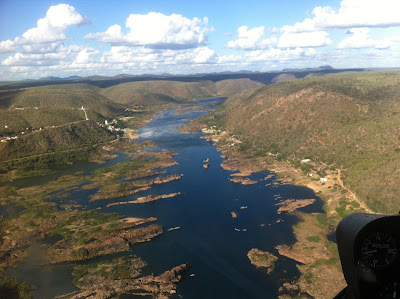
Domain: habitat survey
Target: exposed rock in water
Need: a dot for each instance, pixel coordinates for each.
(151, 198)
(161, 286)
(291, 205)
(145, 199)
(98, 196)
(262, 259)
(142, 234)
(234, 214)
(206, 165)
(146, 175)
(158, 180)
(243, 180)
(64, 250)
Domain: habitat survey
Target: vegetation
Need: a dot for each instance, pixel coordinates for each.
(13, 288)
(48, 124)
(343, 121)
(119, 268)
(59, 139)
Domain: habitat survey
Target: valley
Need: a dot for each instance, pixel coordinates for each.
(335, 133)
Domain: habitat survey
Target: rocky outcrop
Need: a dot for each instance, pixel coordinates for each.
(152, 197)
(161, 286)
(142, 234)
(291, 205)
(145, 199)
(125, 193)
(243, 180)
(158, 180)
(148, 174)
(64, 250)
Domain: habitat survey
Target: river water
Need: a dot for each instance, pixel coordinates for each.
(214, 243)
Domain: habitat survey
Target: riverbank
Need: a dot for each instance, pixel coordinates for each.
(52, 219)
(317, 256)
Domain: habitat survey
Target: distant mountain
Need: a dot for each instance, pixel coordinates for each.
(122, 76)
(96, 77)
(322, 67)
(50, 78)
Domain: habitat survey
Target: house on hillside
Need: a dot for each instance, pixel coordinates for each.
(310, 174)
(305, 161)
(323, 180)
(349, 195)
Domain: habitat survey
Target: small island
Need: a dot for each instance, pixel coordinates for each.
(262, 259)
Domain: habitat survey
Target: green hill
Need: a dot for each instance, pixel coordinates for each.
(156, 92)
(126, 92)
(60, 139)
(349, 121)
(54, 105)
(65, 96)
(57, 107)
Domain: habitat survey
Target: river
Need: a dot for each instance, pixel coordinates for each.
(214, 243)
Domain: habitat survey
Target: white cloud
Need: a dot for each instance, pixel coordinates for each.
(41, 48)
(60, 56)
(304, 39)
(49, 29)
(351, 14)
(158, 31)
(359, 38)
(85, 56)
(152, 57)
(8, 46)
(203, 55)
(249, 39)
(253, 39)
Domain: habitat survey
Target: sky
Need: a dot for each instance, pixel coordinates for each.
(95, 37)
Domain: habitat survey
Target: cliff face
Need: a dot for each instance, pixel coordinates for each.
(348, 121)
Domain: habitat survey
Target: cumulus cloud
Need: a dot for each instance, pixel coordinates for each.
(86, 56)
(158, 31)
(304, 39)
(250, 39)
(60, 56)
(254, 39)
(155, 57)
(203, 55)
(8, 46)
(359, 38)
(351, 14)
(49, 29)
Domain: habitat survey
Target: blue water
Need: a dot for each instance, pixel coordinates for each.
(207, 238)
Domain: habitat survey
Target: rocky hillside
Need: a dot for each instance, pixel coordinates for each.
(350, 121)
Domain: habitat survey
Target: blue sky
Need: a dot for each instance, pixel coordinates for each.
(47, 38)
